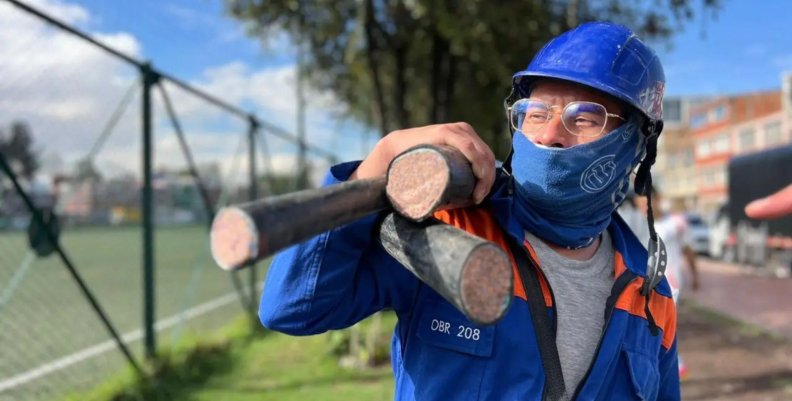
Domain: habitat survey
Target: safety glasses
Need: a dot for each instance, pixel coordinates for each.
(585, 119)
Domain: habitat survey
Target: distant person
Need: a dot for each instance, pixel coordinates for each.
(773, 206)
(671, 225)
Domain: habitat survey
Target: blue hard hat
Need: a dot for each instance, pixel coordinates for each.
(605, 56)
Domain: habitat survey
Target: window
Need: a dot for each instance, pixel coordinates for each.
(720, 178)
(712, 177)
(695, 220)
(747, 139)
(705, 179)
(717, 114)
(773, 133)
(721, 143)
(689, 158)
(698, 120)
(672, 111)
(703, 148)
(672, 160)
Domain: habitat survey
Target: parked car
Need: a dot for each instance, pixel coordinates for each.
(698, 234)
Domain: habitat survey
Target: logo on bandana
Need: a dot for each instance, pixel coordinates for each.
(627, 134)
(598, 175)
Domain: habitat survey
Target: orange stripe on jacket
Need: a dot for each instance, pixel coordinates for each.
(663, 309)
(479, 222)
(542, 280)
(619, 266)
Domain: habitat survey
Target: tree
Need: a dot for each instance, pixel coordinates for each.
(17, 149)
(401, 63)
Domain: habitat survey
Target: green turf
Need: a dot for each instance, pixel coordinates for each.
(236, 366)
(47, 318)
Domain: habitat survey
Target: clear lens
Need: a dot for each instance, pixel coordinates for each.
(529, 115)
(580, 118)
(584, 118)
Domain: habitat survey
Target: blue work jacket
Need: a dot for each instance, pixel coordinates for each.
(340, 277)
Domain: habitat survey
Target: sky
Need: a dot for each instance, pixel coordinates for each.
(744, 48)
(69, 90)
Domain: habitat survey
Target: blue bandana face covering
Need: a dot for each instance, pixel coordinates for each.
(567, 196)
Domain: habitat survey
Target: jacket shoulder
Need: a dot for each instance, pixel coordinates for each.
(478, 221)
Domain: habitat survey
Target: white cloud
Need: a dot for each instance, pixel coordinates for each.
(272, 94)
(64, 88)
(67, 90)
(65, 12)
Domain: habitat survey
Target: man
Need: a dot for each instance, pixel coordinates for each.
(584, 113)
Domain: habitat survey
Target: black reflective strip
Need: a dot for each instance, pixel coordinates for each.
(545, 335)
(618, 287)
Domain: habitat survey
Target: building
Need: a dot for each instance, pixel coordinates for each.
(674, 171)
(728, 126)
(702, 134)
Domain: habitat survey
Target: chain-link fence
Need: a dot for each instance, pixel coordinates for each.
(125, 166)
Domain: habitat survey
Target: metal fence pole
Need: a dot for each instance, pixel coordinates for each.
(302, 163)
(149, 78)
(253, 194)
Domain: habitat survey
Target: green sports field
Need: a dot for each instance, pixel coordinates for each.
(44, 318)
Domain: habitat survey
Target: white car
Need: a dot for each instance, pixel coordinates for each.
(698, 234)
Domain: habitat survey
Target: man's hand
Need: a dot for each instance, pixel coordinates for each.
(776, 205)
(458, 135)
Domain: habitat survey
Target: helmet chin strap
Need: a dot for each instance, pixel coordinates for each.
(658, 257)
(507, 103)
(643, 178)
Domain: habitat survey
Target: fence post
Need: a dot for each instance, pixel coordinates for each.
(253, 194)
(302, 146)
(149, 79)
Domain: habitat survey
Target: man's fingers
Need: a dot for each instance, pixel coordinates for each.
(776, 205)
(478, 153)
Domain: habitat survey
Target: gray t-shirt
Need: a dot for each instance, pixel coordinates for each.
(580, 289)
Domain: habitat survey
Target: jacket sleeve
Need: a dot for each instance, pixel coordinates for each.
(335, 279)
(669, 375)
